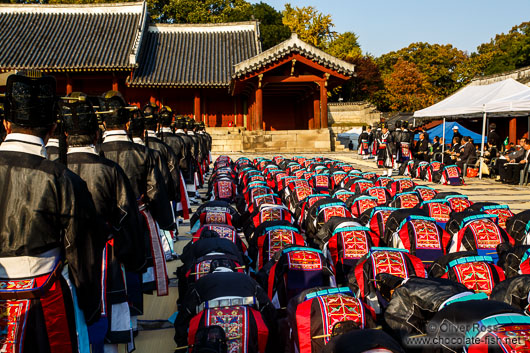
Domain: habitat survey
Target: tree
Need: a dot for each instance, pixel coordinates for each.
(505, 52)
(439, 63)
(364, 85)
(203, 11)
(406, 88)
(271, 28)
(345, 46)
(309, 24)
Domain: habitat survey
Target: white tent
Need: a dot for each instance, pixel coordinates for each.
(516, 103)
(503, 97)
(471, 100)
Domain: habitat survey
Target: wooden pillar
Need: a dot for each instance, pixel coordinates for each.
(323, 105)
(115, 83)
(259, 108)
(513, 130)
(239, 111)
(69, 88)
(316, 111)
(197, 106)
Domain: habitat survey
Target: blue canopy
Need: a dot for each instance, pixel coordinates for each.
(438, 131)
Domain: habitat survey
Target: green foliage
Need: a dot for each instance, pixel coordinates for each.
(345, 46)
(364, 85)
(203, 11)
(311, 25)
(272, 30)
(506, 52)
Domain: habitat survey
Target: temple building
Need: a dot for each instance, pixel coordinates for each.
(216, 73)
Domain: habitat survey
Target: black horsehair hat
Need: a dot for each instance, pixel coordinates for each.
(78, 114)
(114, 107)
(30, 99)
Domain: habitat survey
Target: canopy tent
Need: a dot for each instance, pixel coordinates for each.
(516, 103)
(472, 101)
(350, 135)
(439, 131)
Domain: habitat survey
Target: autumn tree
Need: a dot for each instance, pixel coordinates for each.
(366, 82)
(439, 63)
(309, 24)
(406, 88)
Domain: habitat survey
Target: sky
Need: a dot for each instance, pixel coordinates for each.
(388, 25)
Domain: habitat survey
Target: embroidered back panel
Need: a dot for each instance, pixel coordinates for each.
(426, 194)
(347, 168)
(336, 308)
(405, 151)
(312, 200)
(338, 177)
(333, 211)
(514, 338)
(409, 200)
(215, 218)
(279, 177)
(380, 194)
(369, 175)
(405, 184)
(202, 269)
(303, 260)
(365, 204)
(234, 321)
(258, 191)
(475, 276)
(384, 182)
(436, 166)
(13, 316)
(452, 172)
(308, 175)
(269, 199)
(321, 181)
(459, 204)
(362, 186)
(278, 240)
(224, 189)
(224, 232)
(486, 233)
(355, 244)
(271, 214)
(426, 234)
(302, 192)
(256, 178)
(343, 197)
(439, 211)
(503, 215)
(392, 262)
(299, 173)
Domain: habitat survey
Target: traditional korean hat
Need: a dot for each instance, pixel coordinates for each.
(30, 99)
(166, 115)
(113, 108)
(78, 114)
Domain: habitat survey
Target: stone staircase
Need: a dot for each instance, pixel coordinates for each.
(237, 140)
(226, 139)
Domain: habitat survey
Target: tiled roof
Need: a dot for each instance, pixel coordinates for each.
(198, 55)
(71, 37)
(293, 45)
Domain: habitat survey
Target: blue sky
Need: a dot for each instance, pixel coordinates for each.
(388, 25)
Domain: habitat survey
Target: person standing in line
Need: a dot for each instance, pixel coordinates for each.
(49, 230)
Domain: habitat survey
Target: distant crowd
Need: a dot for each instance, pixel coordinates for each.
(393, 148)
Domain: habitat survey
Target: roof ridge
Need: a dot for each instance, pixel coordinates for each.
(293, 43)
(74, 8)
(220, 24)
